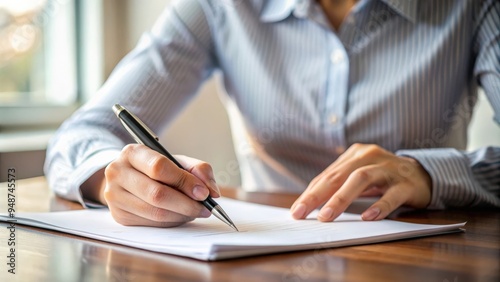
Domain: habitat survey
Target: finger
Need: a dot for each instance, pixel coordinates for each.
(203, 171)
(134, 205)
(331, 179)
(321, 188)
(325, 187)
(391, 200)
(127, 218)
(160, 168)
(358, 181)
(151, 192)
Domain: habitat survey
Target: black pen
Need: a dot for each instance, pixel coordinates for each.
(143, 135)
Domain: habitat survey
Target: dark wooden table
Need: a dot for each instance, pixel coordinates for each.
(43, 255)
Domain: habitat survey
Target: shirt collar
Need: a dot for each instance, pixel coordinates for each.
(278, 10)
(406, 9)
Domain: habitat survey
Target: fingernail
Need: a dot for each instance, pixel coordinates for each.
(299, 211)
(370, 214)
(326, 213)
(214, 186)
(200, 192)
(205, 213)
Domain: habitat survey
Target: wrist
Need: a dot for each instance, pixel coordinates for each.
(93, 188)
(422, 181)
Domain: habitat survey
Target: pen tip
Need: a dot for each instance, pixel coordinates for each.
(218, 212)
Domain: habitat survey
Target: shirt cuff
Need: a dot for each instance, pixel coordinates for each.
(90, 166)
(451, 176)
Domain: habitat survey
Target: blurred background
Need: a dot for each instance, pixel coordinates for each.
(55, 54)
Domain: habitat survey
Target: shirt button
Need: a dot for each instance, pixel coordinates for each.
(337, 56)
(333, 119)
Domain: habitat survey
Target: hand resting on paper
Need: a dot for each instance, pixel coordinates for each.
(143, 187)
(366, 170)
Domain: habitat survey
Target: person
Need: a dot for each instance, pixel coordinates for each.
(333, 99)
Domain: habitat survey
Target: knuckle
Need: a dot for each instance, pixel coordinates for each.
(157, 194)
(204, 167)
(316, 178)
(341, 200)
(109, 195)
(334, 180)
(112, 171)
(361, 151)
(324, 176)
(181, 179)
(156, 167)
(314, 181)
(356, 146)
(372, 151)
(362, 175)
(128, 149)
(157, 214)
(312, 199)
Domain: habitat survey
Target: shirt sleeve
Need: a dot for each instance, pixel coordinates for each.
(461, 178)
(154, 81)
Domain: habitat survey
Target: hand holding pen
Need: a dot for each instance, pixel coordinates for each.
(146, 187)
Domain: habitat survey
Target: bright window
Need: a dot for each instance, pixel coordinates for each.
(38, 61)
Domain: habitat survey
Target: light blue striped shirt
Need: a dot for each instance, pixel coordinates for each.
(400, 74)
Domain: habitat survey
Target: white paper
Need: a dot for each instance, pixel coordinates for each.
(263, 230)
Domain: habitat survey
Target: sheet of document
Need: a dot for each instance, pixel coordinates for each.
(263, 230)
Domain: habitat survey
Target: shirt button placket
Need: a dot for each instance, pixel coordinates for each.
(333, 119)
(337, 56)
(337, 95)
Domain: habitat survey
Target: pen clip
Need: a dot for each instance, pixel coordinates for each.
(137, 139)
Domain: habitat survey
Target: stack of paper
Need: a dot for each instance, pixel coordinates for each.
(263, 230)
